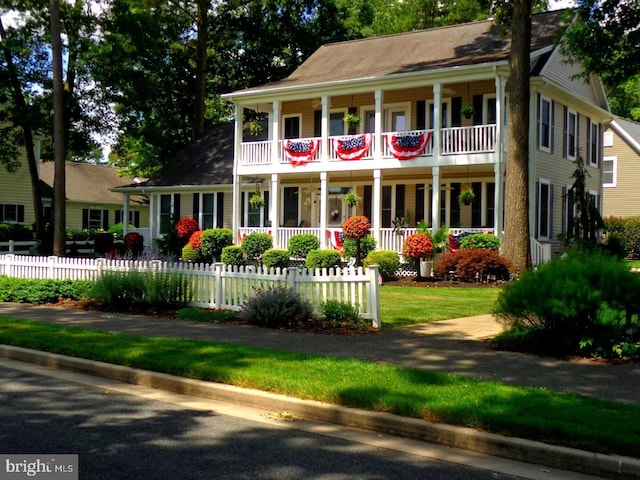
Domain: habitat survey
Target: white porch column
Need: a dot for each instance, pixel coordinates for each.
(235, 202)
(435, 199)
(498, 212)
(377, 136)
(274, 210)
(125, 213)
(376, 207)
(152, 217)
(274, 133)
(437, 120)
(324, 130)
(324, 197)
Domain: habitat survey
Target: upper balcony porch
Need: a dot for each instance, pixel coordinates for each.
(438, 125)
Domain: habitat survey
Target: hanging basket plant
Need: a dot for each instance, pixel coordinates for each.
(466, 196)
(256, 201)
(256, 128)
(351, 119)
(351, 199)
(467, 110)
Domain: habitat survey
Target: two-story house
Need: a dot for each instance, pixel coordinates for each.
(432, 109)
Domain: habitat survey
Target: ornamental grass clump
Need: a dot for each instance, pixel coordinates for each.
(276, 307)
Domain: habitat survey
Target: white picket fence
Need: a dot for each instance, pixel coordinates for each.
(218, 286)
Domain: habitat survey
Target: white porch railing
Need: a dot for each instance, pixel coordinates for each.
(218, 286)
(540, 252)
(428, 149)
(256, 153)
(476, 139)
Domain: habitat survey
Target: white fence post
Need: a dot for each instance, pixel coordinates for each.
(218, 293)
(374, 295)
(51, 269)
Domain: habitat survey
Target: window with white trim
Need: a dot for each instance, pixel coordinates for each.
(291, 126)
(544, 123)
(11, 212)
(609, 171)
(571, 134)
(544, 209)
(594, 143)
(607, 139)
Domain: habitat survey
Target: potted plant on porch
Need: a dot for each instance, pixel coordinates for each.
(256, 201)
(466, 196)
(351, 120)
(418, 247)
(351, 199)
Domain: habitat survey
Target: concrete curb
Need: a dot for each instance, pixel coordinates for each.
(608, 466)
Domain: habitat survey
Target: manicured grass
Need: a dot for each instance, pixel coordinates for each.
(408, 305)
(563, 419)
(633, 263)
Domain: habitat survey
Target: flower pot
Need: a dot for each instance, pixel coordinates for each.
(426, 266)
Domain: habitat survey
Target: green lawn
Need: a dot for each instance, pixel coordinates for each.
(537, 414)
(408, 305)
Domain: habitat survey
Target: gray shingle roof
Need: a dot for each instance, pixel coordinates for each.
(465, 44)
(632, 128)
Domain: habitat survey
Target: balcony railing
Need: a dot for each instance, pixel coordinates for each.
(453, 141)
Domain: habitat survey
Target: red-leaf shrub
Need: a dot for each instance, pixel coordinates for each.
(357, 226)
(195, 240)
(466, 263)
(134, 242)
(185, 228)
(417, 246)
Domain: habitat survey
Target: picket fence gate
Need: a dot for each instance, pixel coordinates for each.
(219, 286)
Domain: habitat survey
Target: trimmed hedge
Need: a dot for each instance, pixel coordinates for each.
(233, 255)
(276, 258)
(387, 260)
(212, 243)
(301, 244)
(323, 258)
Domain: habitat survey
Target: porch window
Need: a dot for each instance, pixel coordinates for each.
(369, 121)
(491, 204)
(490, 113)
(398, 121)
(570, 133)
(544, 209)
(609, 171)
(11, 213)
(166, 213)
(569, 211)
(421, 204)
(292, 126)
(593, 145)
(476, 205)
(208, 210)
(291, 210)
(445, 114)
(454, 204)
(386, 206)
(336, 124)
(544, 123)
(134, 217)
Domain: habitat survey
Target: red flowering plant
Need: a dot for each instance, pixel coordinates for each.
(356, 227)
(134, 243)
(195, 240)
(185, 228)
(416, 247)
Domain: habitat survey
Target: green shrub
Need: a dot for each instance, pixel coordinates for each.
(276, 258)
(15, 232)
(117, 230)
(22, 290)
(206, 315)
(575, 302)
(322, 258)
(301, 244)
(341, 314)
(213, 241)
(136, 289)
(190, 254)
(350, 246)
(255, 244)
(387, 260)
(233, 255)
(276, 307)
(480, 240)
(632, 236)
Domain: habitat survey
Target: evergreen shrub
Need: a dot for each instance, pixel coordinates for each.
(387, 260)
(233, 255)
(480, 240)
(276, 258)
(212, 243)
(255, 244)
(323, 258)
(301, 244)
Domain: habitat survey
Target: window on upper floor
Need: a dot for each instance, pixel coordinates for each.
(11, 212)
(609, 171)
(545, 123)
(593, 143)
(291, 126)
(570, 147)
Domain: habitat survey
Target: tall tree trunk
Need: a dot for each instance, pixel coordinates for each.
(516, 222)
(24, 123)
(201, 68)
(59, 190)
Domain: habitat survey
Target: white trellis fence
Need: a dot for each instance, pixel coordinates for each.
(218, 286)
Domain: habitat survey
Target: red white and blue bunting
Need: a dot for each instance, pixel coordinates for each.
(300, 152)
(352, 147)
(408, 145)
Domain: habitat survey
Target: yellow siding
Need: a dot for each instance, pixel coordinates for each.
(16, 188)
(623, 200)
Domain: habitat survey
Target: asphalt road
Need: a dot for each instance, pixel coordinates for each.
(124, 436)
